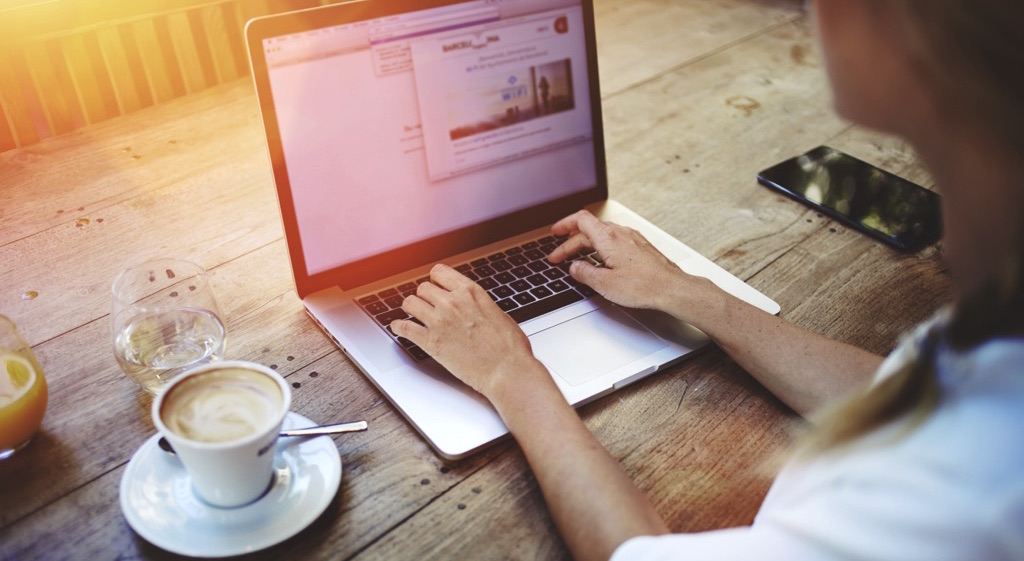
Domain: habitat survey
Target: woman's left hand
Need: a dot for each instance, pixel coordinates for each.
(465, 331)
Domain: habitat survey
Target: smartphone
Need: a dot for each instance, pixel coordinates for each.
(896, 211)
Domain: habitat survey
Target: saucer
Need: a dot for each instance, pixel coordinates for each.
(158, 502)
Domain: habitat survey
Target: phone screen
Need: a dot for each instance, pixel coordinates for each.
(861, 195)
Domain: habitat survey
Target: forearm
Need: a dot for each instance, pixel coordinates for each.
(594, 505)
(802, 368)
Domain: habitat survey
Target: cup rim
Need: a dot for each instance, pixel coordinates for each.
(201, 273)
(286, 399)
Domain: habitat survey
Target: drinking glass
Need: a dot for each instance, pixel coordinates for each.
(165, 321)
(23, 391)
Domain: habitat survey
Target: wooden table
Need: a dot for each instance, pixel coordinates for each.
(698, 96)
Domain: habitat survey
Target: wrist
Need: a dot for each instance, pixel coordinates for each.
(514, 381)
(698, 302)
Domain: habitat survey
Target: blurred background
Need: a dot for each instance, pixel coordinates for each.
(68, 63)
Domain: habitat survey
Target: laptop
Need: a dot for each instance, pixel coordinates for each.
(406, 133)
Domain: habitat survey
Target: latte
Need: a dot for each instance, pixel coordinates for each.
(222, 405)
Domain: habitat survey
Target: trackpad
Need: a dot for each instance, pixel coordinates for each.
(594, 344)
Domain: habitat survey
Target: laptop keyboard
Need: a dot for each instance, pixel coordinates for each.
(519, 279)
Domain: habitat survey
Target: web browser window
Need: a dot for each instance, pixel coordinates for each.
(401, 128)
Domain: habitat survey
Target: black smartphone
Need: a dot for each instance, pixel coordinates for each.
(874, 201)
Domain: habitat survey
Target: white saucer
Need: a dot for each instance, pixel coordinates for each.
(157, 499)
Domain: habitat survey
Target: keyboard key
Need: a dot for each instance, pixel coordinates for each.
(518, 260)
(471, 276)
(548, 248)
(504, 278)
(507, 304)
(488, 283)
(537, 280)
(484, 271)
(541, 292)
(407, 287)
(496, 256)
(544, 306)
(501, 265)
(394, 301)
(524, 298)
(558, 286)
(376, 308)
(530, 245)
(422, 280)
(463, 268)
(586, 290)
(520, 285)
(521, 272)
(418, 353)
(513, 251)
(388, 292)
(554, 273)
(535, 254)
(546, 240)
(401, 340)
(479, 262)
(387, 317)
(367, 299)
(538, 266)
(505, 291)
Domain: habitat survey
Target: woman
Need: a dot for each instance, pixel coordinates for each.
(919, 457)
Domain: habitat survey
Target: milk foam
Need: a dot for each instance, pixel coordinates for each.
(222, 405)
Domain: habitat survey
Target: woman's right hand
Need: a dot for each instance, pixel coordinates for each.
(634, 273)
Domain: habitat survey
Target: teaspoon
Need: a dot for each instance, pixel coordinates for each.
(356, 426)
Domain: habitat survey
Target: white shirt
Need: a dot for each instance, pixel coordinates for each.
(951, 489)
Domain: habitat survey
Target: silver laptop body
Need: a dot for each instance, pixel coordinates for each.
(408, 133)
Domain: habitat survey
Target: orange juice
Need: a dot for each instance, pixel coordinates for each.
(23, 398)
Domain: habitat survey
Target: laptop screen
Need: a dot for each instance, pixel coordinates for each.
(402, 138)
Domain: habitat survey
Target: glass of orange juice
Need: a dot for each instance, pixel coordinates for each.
(22, 391)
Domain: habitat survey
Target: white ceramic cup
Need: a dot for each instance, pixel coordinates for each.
(222, 420)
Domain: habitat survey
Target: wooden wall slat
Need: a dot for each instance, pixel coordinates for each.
(6, 129)
(233, 35)
(115, 60)
(158, 79)
(49, 72)
(183, 44)
(201, 43)
(217, 41)
(102, 75)
(89, 77)
(136, 68)
(16, 88)
(169, 57)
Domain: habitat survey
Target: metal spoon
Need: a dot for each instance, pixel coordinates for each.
(356, 426)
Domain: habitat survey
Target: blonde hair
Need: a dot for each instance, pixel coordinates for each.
(971, 55)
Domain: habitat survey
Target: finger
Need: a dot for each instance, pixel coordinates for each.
(418, 307)
(596, 230)
(574, 244)
(568, 225)
(410, 330)
(448, 278)
(430, 292)
(588, 273)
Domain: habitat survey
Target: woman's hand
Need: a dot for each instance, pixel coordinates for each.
(465, 331)
(634, 274)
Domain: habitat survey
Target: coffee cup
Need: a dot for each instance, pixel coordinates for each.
(223, 419)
